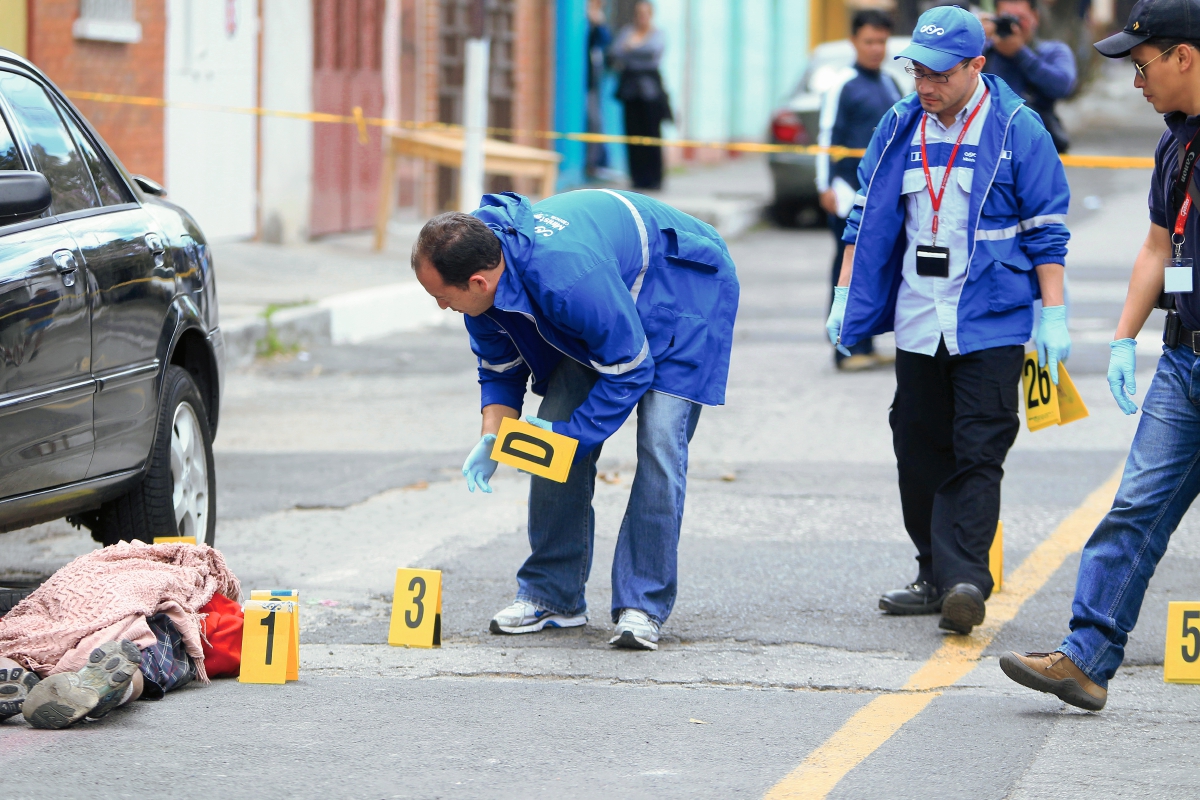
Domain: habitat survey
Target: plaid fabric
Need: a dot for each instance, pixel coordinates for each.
(165, 664)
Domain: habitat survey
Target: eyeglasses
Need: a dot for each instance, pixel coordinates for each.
(1141, 68)
(935, 77)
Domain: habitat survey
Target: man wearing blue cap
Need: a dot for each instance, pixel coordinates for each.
(963, 211)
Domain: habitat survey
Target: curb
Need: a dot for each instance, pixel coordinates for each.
(731, 216)
(347, 318)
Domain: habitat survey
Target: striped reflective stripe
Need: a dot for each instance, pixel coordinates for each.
(501, 367)
(1045, 219)
(620, 369)
(996, 235)
(641, 226)
(1024, 225)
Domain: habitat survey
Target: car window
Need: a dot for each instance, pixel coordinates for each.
(54, 154)
(112, 189)
(10, 156)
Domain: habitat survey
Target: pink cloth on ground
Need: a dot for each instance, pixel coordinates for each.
(107, 595)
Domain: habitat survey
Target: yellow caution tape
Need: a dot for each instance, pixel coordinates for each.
(362, 122)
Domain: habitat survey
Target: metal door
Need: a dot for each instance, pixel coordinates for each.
(347, 72)
(46, 385)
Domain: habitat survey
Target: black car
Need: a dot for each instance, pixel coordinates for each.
(111, 360)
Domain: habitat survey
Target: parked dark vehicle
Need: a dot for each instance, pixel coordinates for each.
(111, 359)
(798, 122)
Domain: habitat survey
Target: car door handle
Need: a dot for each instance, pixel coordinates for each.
(65, 261)
(156, 247)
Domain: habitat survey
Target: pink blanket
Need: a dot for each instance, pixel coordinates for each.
(107, 595)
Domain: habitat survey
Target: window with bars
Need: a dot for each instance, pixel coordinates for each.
(107, 21)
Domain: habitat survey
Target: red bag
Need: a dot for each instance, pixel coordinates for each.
(223, 634)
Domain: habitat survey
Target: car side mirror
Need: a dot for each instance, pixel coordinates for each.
(149, 186)
(23, 195)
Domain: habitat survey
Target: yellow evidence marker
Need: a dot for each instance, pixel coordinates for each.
(1181, 663)
(269, 645)
(996, 558)
(172, 539)
(417, 609)
(1047, 404)
(537, 451)
(1039, 398)
(1070, 404)
(293, 669)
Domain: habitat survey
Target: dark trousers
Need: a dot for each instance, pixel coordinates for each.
(953, 420)
(836, 224)
(644, 118)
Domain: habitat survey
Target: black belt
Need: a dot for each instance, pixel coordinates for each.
(1189, 339)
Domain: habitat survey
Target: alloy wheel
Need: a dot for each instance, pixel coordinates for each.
(189, 474)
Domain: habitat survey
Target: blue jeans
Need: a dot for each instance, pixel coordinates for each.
(562, 522)
(1160, 482)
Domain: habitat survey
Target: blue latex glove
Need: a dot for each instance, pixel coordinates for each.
(1121, 366)
(1053, 341)
(833, 325)
(479, 466)
(545, 425)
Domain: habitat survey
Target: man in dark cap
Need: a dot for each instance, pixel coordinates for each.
(1162, 38)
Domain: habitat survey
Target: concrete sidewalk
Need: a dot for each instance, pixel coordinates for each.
(337, 290)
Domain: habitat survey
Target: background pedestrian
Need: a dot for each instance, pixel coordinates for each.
(599, 38)
(638, 50)
(1042, 72)
(850, 110)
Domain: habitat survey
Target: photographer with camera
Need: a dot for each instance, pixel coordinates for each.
(1042, 72)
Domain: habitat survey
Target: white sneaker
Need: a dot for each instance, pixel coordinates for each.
(636, 631)
(523, 617)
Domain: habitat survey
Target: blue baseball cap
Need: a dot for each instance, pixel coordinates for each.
(944, 37)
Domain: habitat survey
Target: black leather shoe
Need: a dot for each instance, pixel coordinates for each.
(962, 608)
(916, 598)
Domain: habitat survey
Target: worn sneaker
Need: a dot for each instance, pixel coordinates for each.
(635, 631)
(15, 684)
(68, 697)
(523, 617)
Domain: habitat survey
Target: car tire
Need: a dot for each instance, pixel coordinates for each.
(10, 597)
(786, 211)
(177, 494)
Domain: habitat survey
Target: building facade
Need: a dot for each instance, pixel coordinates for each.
(727, 65)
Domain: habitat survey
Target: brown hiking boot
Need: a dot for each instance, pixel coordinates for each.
(1055, 674)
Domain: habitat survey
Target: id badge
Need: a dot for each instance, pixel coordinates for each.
(933, 262)
(1177, 276)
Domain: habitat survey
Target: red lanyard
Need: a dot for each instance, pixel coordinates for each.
(937, 199)
(1181, 188)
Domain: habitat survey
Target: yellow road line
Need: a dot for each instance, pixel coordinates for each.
(877, 721)
(362, 122)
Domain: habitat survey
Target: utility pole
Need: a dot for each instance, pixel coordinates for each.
(475, 110)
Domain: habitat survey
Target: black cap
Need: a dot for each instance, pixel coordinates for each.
(1174, 19)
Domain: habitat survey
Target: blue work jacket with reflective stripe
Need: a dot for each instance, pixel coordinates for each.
(1016, 221)
(628, 286)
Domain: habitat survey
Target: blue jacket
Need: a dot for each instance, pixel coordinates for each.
(628, 286)
(1018, 208)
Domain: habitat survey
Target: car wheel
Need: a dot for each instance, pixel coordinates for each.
(786, 211)
(177, 496)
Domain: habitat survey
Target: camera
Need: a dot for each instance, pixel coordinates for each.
(1005, 24)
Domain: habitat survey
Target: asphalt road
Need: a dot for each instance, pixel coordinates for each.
(336, 469)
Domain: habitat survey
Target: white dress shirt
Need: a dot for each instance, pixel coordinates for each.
(927, 308)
